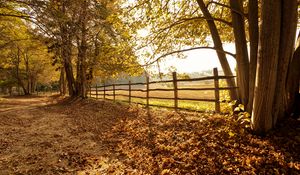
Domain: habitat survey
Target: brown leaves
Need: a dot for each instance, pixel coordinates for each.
(107, 138)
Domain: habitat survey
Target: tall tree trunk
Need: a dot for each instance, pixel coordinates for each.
(286, 48)
(69, 74)
(82, 52)
(66, 55)
(253, 35)
(32, 84)
(219, 47)
(66, 37)
(62, 82)
(293, 80)
(275, 51)
(241, 49)
(262, 119)
(275, 69)
(20, 82)
(27, 70)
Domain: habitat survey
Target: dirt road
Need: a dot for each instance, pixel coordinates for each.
(39, 137)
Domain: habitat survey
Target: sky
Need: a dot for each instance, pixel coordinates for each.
(197, 60)
(200, 60)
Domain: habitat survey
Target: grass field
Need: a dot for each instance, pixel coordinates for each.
(191, 105)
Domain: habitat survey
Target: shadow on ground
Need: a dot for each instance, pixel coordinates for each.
(89, 136)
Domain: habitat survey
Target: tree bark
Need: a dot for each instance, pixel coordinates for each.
(62, 82)
(253, 35)
(286, 48)
(242, 58)
(20, 82)
(27, 70)
(82, 52)
(32, 84)
(66, 37)
(293, 80)
(262, 119)
(218, 45)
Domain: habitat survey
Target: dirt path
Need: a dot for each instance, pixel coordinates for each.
(37, 138)
(48, 135)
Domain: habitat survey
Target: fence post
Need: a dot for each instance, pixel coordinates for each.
(129, 88)
(90, 91)
(104, 91)
(175, 90)
(114, 92)
(217, 92)
(147, 93)
(96, 91)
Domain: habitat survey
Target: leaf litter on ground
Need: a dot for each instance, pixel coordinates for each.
(101, 137)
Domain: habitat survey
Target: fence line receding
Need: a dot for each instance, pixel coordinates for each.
(102, 91)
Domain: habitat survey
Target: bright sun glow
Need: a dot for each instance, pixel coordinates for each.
(196, 61)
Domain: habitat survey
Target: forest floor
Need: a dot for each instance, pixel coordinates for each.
(50, 135)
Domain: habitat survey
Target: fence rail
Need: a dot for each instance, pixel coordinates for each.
(103, 89)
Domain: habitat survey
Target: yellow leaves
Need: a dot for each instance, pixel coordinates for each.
(231, 134)
(240, 107)
(166, 172)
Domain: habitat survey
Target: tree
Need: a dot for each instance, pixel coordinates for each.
(73, 28)
(24, 58)
(242, 59)
(274, 60)
(219, 48)
(179, 19)
(179, 26)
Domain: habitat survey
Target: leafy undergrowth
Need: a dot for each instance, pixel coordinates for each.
(164, 142)
(77, 136)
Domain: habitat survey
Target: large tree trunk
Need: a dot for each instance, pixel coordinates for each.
(32, 84)
(275, 51)
(66, 37)
(241, 49)
(81, 71)
(20, 82)
(69, 70)
(292, 84)
(253, 36)
(27, 70)
(262, 119)
(62, 82)
(286, 48)
(82, 52)
(219, 47)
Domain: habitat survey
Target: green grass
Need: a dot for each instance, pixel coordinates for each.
(187, 104)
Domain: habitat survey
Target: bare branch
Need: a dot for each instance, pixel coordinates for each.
(27, 18)
(226, 6)
(185, 50)
(183, 20)
(13, 15)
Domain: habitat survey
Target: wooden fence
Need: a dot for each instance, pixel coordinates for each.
(96, 91)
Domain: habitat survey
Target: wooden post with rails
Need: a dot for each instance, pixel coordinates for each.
(129, 92)
(217, 91)
(96, 91)
(147, 90)
(90, 91)
(175, 90)
(114, 92)
(104, 91)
